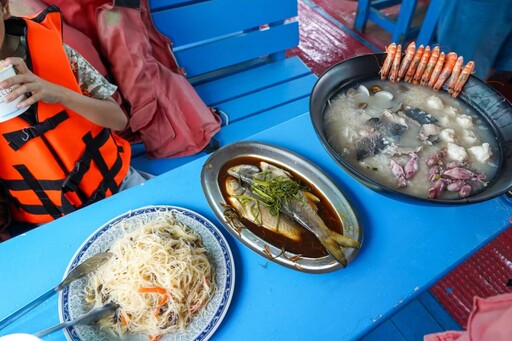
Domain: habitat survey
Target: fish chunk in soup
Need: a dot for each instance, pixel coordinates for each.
(423, 143)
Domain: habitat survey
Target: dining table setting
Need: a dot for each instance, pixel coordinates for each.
(408, 245)
(204, 251)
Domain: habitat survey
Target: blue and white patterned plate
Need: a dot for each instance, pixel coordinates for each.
(71, 302)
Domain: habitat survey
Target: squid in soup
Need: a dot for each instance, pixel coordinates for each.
(409, 137)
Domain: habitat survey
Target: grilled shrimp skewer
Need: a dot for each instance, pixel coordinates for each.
(451, 59)
(414, 64)
(409, 55)
(437, 70)
(391, 51)
(422, 65)
(455, 73)
(427, 67)
(434, 56)
(463, 77)
(395, 66)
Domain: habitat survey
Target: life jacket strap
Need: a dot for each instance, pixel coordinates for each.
(49, 207)
(92, 153)
(93, 146)
(18, 138)
(47, 185)
(22, 185)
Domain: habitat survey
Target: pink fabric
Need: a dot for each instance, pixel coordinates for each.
(491, 319)
(166, 112)
(71, 35)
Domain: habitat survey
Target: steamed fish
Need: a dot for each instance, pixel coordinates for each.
(276, 188)
(251, 208)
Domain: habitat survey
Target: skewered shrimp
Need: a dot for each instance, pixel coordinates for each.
(409, 55)
(414, 64)
(434, 56)
(455, 73)
(463, 77)
(396, 64)
(437, 70)
(425, 66)
(451, 58)
(422, 65)
(391, 51)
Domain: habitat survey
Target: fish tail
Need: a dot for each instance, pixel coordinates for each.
(345, 241)
(334, 249)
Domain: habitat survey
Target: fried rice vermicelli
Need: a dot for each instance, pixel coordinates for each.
(160, 275)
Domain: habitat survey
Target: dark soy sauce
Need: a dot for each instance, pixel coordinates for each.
(309, 246)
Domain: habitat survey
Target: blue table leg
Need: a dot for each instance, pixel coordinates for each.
(407, 9)
(363, 11)
(429, 23)
(371, 10)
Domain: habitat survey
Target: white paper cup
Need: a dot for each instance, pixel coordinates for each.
(9, 110)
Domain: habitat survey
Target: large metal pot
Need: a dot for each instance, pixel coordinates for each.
(491, 105)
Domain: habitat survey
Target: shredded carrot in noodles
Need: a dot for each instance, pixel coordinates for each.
(153, 290)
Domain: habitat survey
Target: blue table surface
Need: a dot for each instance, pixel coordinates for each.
(408, 246)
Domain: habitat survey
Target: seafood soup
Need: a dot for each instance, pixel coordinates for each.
(288, 236)
(421, 142)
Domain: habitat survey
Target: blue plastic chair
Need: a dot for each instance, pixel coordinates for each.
(400, 29)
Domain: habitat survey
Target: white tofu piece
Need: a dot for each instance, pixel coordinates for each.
(464, 121)
(456, 152)
(450, 111)
(447, 135)
(435, 102)
(444, 121)
(481, 153)
(469, 136)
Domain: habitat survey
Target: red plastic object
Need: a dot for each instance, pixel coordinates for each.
(484, 274)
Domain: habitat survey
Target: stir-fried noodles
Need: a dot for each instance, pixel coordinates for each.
(160, 275)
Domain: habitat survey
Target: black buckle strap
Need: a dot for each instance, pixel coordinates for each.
(92, 153)
(99, 194)
(71, 182)
(18, 138)
(82, 166)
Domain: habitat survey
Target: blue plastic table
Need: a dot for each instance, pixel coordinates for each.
(408, 246)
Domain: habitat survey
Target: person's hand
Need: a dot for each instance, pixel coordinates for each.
(40, 89)
(103, 112)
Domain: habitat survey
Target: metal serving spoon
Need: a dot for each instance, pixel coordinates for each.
(93, 315)
(84, 268)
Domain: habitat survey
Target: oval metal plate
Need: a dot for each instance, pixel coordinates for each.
(312, 174)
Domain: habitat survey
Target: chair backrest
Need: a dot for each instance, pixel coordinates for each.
(214, 35)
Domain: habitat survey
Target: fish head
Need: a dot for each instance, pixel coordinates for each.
(244, 172)
(233, 186)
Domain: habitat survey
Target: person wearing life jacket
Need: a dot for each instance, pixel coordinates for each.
(60, 154)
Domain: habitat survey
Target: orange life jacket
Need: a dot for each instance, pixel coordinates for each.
(58, 161)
